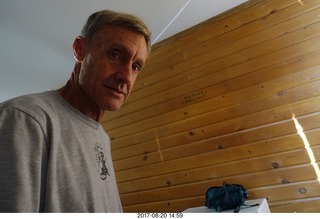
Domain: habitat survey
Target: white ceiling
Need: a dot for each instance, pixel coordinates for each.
(36, 35)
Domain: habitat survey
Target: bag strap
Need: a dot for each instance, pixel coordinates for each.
(226, 197)
(225, 200)
(237, 209)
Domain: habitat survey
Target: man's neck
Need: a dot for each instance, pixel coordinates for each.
(73, 94)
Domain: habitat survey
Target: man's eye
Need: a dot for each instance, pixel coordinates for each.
(114, 54)
(136, 68)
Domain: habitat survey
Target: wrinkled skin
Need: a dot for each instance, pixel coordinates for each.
(105, 71)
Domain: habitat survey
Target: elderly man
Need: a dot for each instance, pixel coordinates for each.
(54, 153)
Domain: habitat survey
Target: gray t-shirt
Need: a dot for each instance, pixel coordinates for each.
(54, 158)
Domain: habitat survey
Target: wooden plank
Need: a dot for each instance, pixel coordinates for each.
(206, 162)
(310, 205)
(183, 132)
(239, 138)
(305, 189)
(159, 52)
(171, 206)
(193, 110)
(174, 44)
(277, 100)
(233, 72)
(219, 108)
(286, 191)
(137, 161)
(259, 179)
(214, 130)
(251, 43)
(266, 10)
(148, 135)
(135, 149)
(282, 29)
(155, 67)
(281, 21)
(192, 162)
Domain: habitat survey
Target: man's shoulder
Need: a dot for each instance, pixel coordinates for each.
(34, 104)
(29, 99)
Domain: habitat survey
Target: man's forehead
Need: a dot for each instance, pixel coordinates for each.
(118, 33)
(123, 38)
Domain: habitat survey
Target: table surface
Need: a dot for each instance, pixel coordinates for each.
(263, 207)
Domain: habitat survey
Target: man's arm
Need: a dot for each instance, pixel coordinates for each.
(23, 161)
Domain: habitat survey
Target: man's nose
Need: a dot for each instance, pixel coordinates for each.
(125, 73)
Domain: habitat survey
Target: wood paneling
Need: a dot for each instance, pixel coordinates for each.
(216, 103)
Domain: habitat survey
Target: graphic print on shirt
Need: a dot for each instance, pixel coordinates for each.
(101, 160)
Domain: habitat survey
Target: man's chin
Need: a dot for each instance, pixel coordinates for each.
(112, 107)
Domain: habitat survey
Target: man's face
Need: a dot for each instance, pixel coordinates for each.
(110, 64)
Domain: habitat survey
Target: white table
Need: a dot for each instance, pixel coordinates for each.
(263, 207)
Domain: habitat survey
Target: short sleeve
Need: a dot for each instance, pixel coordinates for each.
(23, 161)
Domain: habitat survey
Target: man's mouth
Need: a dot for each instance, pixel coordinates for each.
(116, 90)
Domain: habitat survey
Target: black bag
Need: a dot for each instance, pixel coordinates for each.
(228, 196)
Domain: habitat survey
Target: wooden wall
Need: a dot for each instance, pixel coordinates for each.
(217, 103)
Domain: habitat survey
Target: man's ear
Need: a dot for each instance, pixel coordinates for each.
(79, 48)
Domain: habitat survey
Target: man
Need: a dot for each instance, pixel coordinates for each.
(54, 153)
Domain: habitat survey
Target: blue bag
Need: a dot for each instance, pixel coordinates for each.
(226, 197)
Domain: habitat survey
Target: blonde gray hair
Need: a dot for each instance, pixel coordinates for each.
(99, 19)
